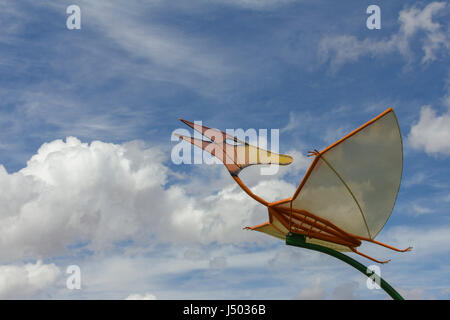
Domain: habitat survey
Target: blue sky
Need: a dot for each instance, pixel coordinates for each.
(137, 224)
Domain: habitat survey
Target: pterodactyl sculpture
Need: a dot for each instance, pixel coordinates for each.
(345, 197)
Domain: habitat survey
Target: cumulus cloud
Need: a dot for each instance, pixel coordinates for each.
(413, 21)
(26, 281)
(431, 133)
(71, 191)
(137, 296)
(95, 195)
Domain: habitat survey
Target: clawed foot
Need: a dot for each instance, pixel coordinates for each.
(313, 153)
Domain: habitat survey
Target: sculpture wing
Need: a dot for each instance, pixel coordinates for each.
(354, 182)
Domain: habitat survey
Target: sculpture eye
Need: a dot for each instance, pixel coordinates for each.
(233, 142)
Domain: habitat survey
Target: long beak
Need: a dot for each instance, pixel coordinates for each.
(235, 154)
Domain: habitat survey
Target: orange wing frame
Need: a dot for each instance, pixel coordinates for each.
(349, 190)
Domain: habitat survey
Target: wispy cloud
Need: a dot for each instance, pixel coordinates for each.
(117, 209)
(100, 194)
(342, 49)
(415, 179)
(26, 281)
(256, 4)
(420, 210)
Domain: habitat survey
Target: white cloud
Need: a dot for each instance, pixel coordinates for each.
(26, 281)
(137, 296)
(170, 53)
(414, 294)
(167, 274)
(431, 133)
(300, 164)
(256, 4)
(295, 120)
(413, 21)
(101, 193)
(426, 241)
(345, 49)
(415, 179)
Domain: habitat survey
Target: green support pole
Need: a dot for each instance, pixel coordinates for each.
(298, 240)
